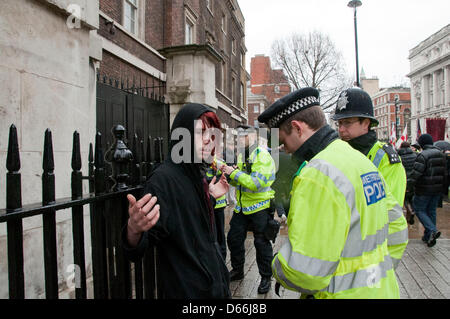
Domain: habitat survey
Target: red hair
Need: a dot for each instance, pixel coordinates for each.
(210, 119)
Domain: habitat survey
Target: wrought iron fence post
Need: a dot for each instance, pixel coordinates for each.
(14, 227)
(78, 221)
(120, 157)
(49, 219)
(98, 231)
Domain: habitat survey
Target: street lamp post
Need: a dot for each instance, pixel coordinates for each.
(354, 4)
(396, 118)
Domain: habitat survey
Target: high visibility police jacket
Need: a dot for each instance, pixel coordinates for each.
(389, 165)
(253, 179)
(394, 175)
(210, 173)
(338, 227)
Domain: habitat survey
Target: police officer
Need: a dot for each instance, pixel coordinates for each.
(253, 176)
(338, 221)
(355, 118)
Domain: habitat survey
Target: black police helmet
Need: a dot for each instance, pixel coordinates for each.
(354, 102)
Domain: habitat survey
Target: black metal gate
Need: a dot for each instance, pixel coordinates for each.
(140, 108)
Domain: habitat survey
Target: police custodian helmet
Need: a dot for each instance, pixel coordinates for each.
(354, 102)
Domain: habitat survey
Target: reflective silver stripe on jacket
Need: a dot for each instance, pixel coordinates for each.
(307, 265)
(261, 190)
(395, 213)
(398, 238)
(287, 282)
(378, 157)
(401, 236)
(368, 277)
(236, 177)
(262, 177)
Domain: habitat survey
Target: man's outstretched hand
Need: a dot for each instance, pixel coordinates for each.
(144, 214)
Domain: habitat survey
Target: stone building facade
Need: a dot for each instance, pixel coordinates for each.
(430, 84)
(49, 53)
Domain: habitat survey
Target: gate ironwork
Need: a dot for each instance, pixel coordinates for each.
(140, 107)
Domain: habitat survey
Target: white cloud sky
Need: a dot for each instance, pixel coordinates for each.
(387, 29)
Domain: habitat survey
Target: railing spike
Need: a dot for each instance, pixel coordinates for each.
(48, 163)
(13, 157)
(99, 161)
(76, 154)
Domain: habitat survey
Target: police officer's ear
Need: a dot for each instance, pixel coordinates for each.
(366, 123)
(296, 126)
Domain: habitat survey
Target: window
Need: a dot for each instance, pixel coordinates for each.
(277, 89)
(233, 45)
(242, 59)
(224, 77)
(256, 108)
(130, 15)
(223, 23)
(233, 89)
(189, 32)
(242, 95)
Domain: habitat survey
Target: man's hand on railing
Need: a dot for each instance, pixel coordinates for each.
(144, 214)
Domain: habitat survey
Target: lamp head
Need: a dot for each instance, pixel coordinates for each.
(354, 4)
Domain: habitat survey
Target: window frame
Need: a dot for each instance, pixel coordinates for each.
(135, 9)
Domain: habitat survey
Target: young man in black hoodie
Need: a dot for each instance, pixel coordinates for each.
(190, 265)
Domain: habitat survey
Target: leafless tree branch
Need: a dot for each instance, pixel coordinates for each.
(312, 60)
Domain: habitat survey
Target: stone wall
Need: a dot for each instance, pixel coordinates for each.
(47, 75)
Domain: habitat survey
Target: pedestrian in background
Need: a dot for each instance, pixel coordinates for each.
(428, 178)
(408, 157)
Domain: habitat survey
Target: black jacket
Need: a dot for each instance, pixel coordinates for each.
(408, 157)
(428, 174)
(190, 265)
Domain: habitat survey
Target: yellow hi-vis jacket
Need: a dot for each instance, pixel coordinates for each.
(395, 177)
(253, 192)
(338, 228)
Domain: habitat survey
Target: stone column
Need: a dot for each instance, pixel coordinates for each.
(446, 84)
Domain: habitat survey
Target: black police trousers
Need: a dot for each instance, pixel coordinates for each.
(239, 225)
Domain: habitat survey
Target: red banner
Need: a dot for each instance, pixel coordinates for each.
(436, 128)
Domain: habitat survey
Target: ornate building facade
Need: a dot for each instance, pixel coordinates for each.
(430, 85)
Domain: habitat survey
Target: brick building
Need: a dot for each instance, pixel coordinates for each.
(384, 105)
(187, 50)
(267, 82)
(256, 104)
